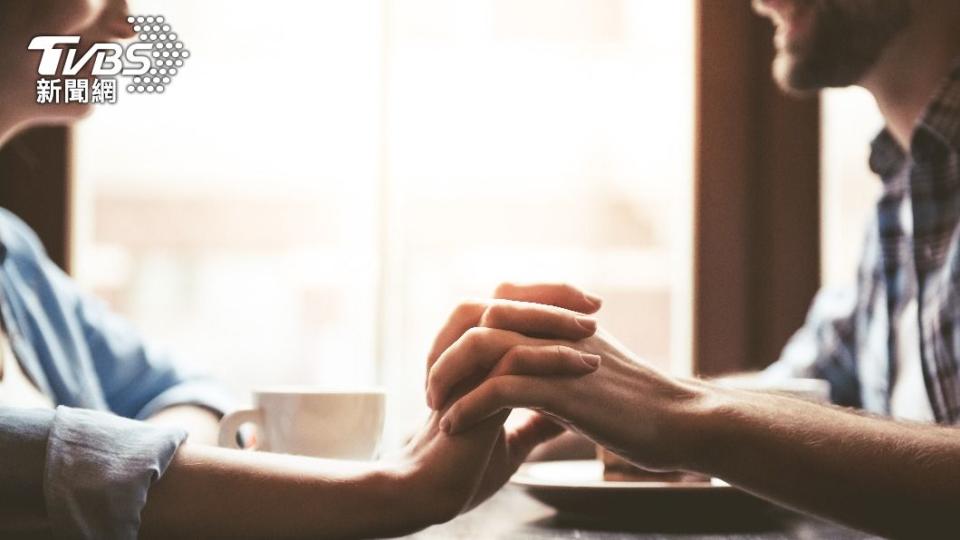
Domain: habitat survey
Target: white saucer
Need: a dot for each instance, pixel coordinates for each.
(578, 488)
(588, 475)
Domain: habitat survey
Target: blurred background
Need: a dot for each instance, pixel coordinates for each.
(325, 180)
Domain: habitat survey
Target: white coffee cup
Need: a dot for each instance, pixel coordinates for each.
(332, 424)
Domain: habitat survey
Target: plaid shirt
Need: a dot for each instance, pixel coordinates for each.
(850, 337)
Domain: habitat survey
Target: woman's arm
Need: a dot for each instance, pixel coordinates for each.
(892, 478)
(214, 492)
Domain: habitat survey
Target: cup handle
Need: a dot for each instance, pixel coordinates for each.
(231, 423)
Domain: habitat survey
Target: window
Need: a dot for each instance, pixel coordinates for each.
(326, 180)
(849, 188)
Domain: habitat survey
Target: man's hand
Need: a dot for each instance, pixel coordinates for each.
(556, 311)
(548, 310)
(891, 478)
(626, 404)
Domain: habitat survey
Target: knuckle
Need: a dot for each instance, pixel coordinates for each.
(493, 315)
(495, 391)
(564, 353)
(515, 358)
(433, 380)
(504, 289)
(474, 337)
(466, 308)
(509, 360)
(569, 289)
(511, 315)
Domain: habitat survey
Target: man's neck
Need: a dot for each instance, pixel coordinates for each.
(913, 67)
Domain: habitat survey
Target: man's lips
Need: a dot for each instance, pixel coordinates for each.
(781, 11)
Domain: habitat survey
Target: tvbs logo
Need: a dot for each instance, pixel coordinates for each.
(149, 64)
(109, 59)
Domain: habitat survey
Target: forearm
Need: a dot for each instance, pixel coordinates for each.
(213, 492)
(891, 478)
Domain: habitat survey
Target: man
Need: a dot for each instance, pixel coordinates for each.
(895, 351)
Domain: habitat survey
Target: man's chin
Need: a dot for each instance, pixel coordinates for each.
(791, 79)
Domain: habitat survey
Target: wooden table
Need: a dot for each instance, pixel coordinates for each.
(511, 514)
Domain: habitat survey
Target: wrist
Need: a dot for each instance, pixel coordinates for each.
(704, 419)
(393, 487)
(413, 497)
(727, 424)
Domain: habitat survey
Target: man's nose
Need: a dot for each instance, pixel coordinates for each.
(114, 20)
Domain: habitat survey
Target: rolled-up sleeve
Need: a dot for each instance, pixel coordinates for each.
(78, 350)
(23, 447)
(137, 378)
(828, 346)
(91, 470)
(825, 347)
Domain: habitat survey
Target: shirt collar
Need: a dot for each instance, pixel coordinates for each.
(886, 156)
(942, 117)
(937, 130)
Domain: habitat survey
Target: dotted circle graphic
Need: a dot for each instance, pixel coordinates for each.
(166, 55)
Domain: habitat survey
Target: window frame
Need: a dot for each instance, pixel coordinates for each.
(36, 185)
(756, 196)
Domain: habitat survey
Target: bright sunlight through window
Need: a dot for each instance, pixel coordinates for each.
(325, 180)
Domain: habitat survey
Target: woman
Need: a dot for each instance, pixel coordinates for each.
(70, 468)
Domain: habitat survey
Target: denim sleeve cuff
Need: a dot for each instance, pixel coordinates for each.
(201, 392)
(99, 468)
(23, 445)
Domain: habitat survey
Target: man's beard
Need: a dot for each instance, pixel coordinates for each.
(843, 42)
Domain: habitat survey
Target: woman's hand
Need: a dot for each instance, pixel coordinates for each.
(439, 475)
(444, 475)
(626, 405)
(562, 314)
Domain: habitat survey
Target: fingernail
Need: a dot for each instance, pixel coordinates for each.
(429, 400)
(445, 425)
(588, 324)
(593, 299)
(591, 360)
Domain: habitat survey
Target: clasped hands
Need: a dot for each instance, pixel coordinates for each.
(535, 347)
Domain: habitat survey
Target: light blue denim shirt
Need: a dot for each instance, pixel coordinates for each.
(84, 469)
